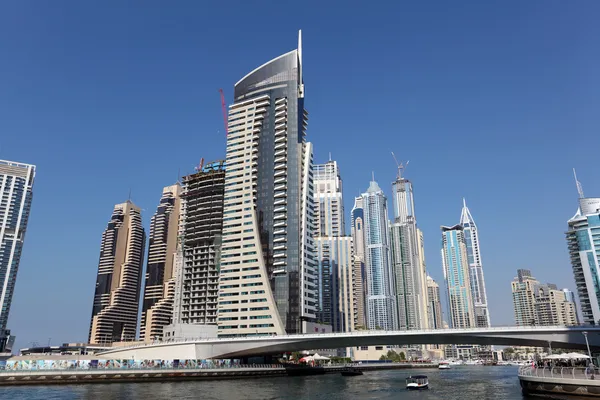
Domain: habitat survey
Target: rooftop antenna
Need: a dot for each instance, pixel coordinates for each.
(401, 167)
(373, 175)
(579, 187)
(329, 156)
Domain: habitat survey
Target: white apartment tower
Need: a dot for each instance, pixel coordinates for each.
(16, 192)
(583, 241)
(333, 251)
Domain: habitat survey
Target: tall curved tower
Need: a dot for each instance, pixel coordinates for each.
(268, 268)
(482, 313)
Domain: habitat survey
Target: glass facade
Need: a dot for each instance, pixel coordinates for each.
(269, 188)
(456, 274)
(583, 241)
(16, 191)
(381, 302)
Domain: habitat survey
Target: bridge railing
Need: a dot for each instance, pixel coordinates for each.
(34, 369)
(358, 333)
(560, 372)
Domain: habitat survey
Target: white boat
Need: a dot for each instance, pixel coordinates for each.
(444, 365)
(417, 382)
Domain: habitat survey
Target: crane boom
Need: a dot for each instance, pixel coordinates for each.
(399, 165)
(224, 108)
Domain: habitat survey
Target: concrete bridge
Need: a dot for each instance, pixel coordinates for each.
(573, 337)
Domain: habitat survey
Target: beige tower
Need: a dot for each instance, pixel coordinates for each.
(116, 300)
(159, 289)
(523, 292)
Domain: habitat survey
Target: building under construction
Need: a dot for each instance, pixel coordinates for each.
(197, 286)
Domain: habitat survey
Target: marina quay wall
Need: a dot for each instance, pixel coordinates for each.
(114, 371)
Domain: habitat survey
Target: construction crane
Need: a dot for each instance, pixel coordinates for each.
(401, 167)
(200, 165)
(224, 108)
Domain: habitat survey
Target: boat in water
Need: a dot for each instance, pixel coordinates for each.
(351, 371)
(417, 382)
(444, 365)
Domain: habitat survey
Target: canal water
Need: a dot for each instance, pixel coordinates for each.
(459, 383)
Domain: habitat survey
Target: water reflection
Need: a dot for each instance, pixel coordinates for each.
(460, 383)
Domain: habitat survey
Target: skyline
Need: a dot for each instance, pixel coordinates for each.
(492, 205)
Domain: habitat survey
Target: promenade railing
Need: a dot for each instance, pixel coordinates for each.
(590, 372)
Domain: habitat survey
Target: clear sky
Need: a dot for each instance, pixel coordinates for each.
(493, 101)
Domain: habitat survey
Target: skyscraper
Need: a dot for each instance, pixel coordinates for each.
(583, 241)
(482, 315)
(199, 252)
(117, 296)
(381, 302)
(159, 289)
(523, 292)
(16, 192)
(268, 209)
(435, 305)
(407, 260)
(333, 251)
(359, 272)
(456, 274)
(329, 205)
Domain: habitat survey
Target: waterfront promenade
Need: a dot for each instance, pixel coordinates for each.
(159, 374)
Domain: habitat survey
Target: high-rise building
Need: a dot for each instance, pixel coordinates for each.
(583, 241)
(435, 304)
(159, 288)
(117, 296)
(328, 202)
(570, 296)
(16, 192)
(523, 292)
(199, 251)
(268, 211)
(359, 272)
(456, 275)
(333, 251)
(541, 304)
(407, 259)
(482, 315)
(336, 302)
(553, 308)
(381, 302)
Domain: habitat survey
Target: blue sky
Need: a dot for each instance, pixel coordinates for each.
(493, 101)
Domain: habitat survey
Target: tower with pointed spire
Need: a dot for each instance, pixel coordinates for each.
(583, 242)
(478, 291)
